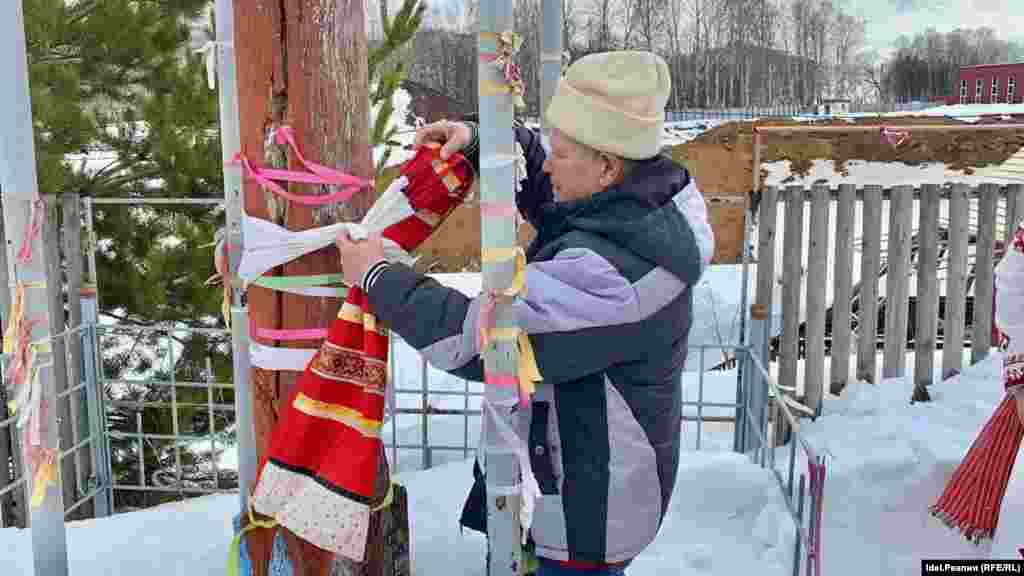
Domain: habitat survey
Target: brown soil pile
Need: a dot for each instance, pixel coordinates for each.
(958, 149)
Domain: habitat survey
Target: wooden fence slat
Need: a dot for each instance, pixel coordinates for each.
(897, 283)
(817, 268)
(956, 283)
(767, 221)
(792, 279)
(981, 322)
(867, 310)
(927, 292)
(843, 278)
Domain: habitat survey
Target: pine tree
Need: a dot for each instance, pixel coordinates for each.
(119, 77)
(388, 66)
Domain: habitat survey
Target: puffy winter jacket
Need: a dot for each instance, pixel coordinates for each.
(607, 309)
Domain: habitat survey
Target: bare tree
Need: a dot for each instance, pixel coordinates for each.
(646, 19)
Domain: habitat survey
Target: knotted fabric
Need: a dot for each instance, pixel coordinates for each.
(317, 478)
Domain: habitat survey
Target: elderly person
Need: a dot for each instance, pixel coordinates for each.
(622, 237)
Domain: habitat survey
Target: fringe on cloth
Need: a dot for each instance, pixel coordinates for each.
(971, 501)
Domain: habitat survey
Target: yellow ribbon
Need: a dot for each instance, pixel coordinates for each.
(45, 475)
(236, 542)
(388, 499)
(495, 255)
(15, 316)
(528, 372)
(225, 305)
(491, 88)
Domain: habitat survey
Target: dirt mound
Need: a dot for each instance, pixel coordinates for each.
(958, 149)
(721, 161)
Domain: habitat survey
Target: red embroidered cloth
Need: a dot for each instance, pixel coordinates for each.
(317, 478)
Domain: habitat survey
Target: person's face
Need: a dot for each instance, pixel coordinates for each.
(575, 171)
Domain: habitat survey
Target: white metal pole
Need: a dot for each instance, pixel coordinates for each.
(550, 60)
(231, 144)
(497, 185)
(20, 192)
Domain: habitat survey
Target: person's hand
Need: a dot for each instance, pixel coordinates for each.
(358, 256)
(454, 136)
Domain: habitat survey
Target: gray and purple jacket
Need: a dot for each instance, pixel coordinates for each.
(607, 308)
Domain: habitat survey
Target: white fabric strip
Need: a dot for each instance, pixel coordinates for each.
(270, 358)
(529, 489)
(268, 245)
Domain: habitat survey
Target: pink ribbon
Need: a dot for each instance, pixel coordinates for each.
(499, 209)
(817, 472)
(318, 174)
(31, 231)
(286, 134)
(894, 137)
(289, 334)
(509, 69)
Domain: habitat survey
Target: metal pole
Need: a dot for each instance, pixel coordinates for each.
(21, 193)
(745, 381)
(157, 201)
(230, 144)
(497, 175)
(550, 59)
(99, 448)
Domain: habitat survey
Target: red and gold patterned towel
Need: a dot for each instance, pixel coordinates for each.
(317, 478)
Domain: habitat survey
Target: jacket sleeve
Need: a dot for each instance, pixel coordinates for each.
(581, 314)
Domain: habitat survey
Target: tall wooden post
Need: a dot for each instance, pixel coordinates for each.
(20, 192)
(497, 185)
(301, 63)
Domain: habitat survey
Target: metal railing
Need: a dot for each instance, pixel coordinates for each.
(807, 495)
(149, 461)
(128, 457)
(81, 461)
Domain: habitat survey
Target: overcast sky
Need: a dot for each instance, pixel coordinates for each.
(887, 19)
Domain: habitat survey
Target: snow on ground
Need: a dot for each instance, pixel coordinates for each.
(727, 518)
(681, 132)
(887, 462)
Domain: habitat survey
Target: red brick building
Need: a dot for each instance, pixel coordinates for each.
(989, 84)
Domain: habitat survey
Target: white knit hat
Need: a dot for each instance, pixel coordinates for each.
(614, 102)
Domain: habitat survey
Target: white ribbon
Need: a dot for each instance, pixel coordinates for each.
(270, 358)
(210, 51)
(268, 245)
(530, 490)
(1010, 296)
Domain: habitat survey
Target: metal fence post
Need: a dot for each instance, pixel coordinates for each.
(21, 201)
(99, 445)
(231, 144)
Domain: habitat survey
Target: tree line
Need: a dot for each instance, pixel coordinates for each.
(722, 53)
